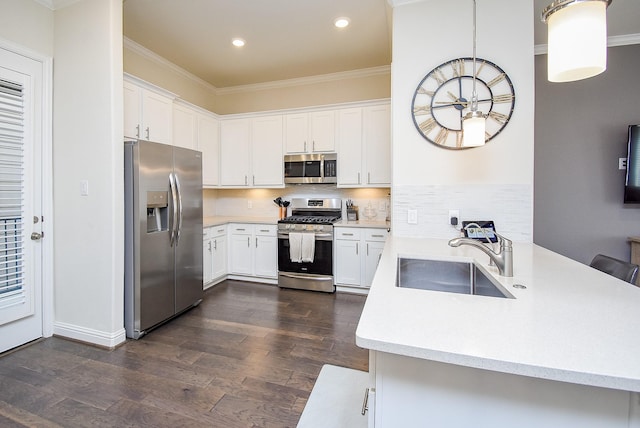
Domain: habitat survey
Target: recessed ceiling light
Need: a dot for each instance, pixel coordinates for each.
(341, 22)
(238, 42)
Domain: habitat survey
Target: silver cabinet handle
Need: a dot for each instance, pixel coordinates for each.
(137, 131)
(357, 248)
(248, 241)
(245, 180)
(368, 178)
(35, 236)
(264, 230)
(358, 178)
(305, 146)
(367, 248)
(254, 180)
(377, 236)
(147, 132)
(215, 244)
(365, 403)
(313, 146)
(256, 242)
(240, 229)
(209, 246)
(347, 234)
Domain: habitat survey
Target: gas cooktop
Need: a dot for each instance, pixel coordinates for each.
(310, 219)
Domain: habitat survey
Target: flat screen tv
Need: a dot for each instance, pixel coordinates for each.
(632, 181)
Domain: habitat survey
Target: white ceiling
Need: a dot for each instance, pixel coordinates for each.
(287, 39)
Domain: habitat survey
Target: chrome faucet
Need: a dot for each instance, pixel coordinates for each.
(503, 259)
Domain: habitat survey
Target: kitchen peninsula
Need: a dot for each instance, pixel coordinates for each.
(563, 352)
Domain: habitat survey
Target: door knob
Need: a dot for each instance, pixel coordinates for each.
(35, 236)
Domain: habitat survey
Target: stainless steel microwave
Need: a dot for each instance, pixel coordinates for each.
(311, 168)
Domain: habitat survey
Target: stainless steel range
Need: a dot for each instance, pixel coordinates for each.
(305, 244)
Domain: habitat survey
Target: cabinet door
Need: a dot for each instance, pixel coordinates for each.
(207, 261)
(266, 151)
(347, 262)
(296, 132)
(377, 145)
(219, 244)
(132, 94)
(209, 145)
(350, 147)
(373, 252)
(240, 253)
(234, 152)
(157, 113)
(266, 257)
(184, 127)
(323, 138)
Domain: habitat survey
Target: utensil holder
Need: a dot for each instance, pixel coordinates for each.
(282, 212)
(352, 213)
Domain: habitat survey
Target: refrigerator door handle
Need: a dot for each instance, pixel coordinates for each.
(174, 209)
(179, 197)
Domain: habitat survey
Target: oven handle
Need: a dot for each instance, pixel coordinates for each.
(317, 235)
(300, 276)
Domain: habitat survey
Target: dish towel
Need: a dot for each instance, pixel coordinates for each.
(308, 247)
(295, 246)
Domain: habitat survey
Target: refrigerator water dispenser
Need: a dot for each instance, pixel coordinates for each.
(157, 211)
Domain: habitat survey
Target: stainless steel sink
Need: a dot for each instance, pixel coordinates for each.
(448, 276)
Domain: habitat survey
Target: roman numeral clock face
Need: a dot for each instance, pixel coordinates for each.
(443, 98)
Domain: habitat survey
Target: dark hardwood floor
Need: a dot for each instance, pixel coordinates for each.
(247, 356)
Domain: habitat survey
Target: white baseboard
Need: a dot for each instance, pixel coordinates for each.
(259, 279)
(88, 335)
(352, 290)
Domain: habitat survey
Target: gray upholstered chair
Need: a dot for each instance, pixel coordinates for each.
(620, 269)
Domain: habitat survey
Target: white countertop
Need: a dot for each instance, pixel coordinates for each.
(373, 224)
(572, 323)
(219, 220)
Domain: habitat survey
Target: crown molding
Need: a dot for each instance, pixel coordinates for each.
(154, 57)
(394, 3)
(624, 40)
(321, 78)
(56, 4)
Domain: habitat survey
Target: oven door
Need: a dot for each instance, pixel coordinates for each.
(322, 260)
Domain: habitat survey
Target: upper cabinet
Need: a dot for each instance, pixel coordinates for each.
(209, 145)
(364, 146)
(310, 132)
(251, 152)
(185, 126)
(148, 114)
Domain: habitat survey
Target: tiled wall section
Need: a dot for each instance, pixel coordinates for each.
(509, 206)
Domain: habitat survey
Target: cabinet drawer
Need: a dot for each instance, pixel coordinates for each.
(266, 229)
(241, 228)
(347, 233)
(376, 235)
(218, 230)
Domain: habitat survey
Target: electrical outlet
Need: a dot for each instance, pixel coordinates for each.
(454, 213)
(249, 204)
(412, 216)
(622, 163)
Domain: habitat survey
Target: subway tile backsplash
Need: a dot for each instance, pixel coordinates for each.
(508, 205)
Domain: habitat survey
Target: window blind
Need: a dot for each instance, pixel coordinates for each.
(12, 227)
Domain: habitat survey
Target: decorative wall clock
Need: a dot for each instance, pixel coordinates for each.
(443, 97)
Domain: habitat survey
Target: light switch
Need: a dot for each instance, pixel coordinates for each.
(412, 216)
(84, 187)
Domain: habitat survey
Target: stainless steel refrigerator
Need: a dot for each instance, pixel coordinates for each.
(163, 233)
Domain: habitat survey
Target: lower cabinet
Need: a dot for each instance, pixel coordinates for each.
(357, 252)
(214, 254)
(253, 250)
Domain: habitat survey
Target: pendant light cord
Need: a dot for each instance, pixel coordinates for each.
(474, 94)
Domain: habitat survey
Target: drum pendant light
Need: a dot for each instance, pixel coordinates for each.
(473, 123)
(577, 39)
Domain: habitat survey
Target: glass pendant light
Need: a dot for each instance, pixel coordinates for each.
(577, 39)
(473, 123)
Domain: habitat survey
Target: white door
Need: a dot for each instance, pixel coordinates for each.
(20, 200)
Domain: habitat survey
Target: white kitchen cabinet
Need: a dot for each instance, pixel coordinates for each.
(215, 254)
(234, 152)
(185, 127)
(266, 152)
(253, 250)
(148, 114)
(251, 152)
(364, 146)
(310, 132)
(209, 145)
(357, 252)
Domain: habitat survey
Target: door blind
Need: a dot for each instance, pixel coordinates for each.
(12, 230)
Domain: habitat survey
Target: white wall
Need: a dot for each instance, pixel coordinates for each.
(88, 146)
(27, 24)
(491, 182)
